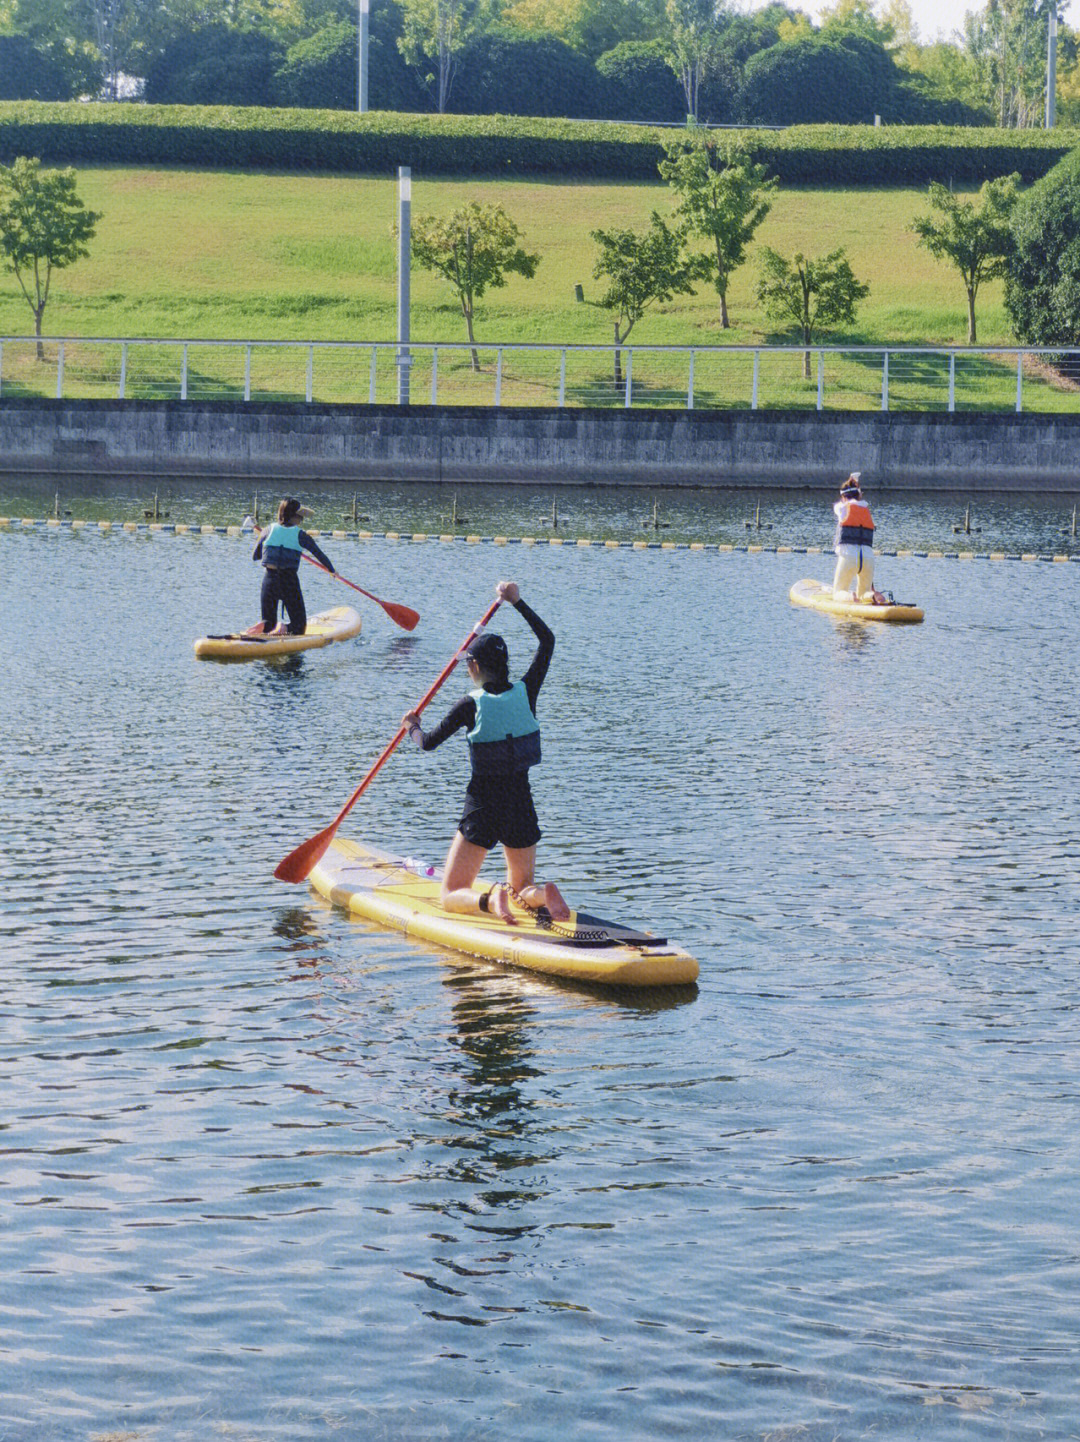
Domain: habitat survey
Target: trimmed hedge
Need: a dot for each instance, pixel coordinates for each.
(333, 140)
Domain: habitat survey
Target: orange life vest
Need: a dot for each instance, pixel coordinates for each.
(856, 524)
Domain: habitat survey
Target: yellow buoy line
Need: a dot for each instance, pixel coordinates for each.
(179, 528)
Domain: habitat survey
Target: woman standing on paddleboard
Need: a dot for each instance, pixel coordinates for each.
(854, 544)
(279, 550)
(504, 741)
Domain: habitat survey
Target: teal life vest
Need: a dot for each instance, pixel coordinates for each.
(281, 547)
(506, 737)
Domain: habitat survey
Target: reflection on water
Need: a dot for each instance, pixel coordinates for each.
(269, 1172)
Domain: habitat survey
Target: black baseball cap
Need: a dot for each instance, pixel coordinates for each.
(489, 651)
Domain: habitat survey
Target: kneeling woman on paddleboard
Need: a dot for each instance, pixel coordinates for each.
(504, 741)
(279, 550)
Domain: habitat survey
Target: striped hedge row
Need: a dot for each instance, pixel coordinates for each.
(333, 140)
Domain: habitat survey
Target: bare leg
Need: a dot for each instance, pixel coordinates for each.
(463, 863)
(520, 873)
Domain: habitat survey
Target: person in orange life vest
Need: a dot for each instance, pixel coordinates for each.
(504, 741)
(279, 549)
(854, 544)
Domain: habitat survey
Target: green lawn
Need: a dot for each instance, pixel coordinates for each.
(214, 255)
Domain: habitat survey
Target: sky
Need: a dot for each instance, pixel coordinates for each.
(937, 18)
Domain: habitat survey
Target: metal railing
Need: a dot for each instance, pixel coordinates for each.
(925, 378)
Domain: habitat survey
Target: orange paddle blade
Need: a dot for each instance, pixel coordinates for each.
(299, 864)
(405, 616)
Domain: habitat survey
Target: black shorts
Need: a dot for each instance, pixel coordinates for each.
(500, 809)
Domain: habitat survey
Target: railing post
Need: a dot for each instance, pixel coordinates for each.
(498, 377)
(123, 369)
(885, 383)
(60, 372)
(371, 379)
(753, 394)
(952, 381)
(183, 373)
(690, 384)
(1, 366)
(435, 375)
(310, 373)
(628, 401)
(820, 380)
(562, 378)
(247, 372)
(1019, 381)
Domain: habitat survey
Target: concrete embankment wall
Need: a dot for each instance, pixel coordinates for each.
(281, 441)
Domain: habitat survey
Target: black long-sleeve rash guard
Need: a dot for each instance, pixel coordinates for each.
(464, 713)
(306, 543)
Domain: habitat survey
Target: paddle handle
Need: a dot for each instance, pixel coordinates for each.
(429, 694)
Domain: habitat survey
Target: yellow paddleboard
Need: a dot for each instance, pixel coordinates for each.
(336, 625)
(405, 897)
(819, 597)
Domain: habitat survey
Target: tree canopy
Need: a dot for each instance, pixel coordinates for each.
(44, 226)
(813, 295)
(1042, 287)
(977, 240)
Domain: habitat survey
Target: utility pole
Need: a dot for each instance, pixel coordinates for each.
(1051, 64)
(404, 359)
(363, 18)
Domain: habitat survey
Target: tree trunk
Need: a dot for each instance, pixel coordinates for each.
(618, 360)
(39, 311)
(472, 340)
(725, 324)
(971, 316)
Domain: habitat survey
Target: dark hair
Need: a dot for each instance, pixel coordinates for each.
(290, 506)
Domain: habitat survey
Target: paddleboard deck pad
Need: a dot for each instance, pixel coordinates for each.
(819, 597)
(404, 896)
(337, 625)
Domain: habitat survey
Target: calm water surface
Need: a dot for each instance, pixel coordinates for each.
(266, 1173)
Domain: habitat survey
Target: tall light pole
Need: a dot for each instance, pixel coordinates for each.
(1051, 64)
(362, 26)
(404, 359)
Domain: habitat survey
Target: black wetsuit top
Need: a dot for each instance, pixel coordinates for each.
(498, 808)
(464, 713)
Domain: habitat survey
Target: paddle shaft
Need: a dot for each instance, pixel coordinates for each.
(298, 864)
(404, 616)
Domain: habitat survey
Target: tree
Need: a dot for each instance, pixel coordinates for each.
(506, 74)
(694, 43)
(723, 198)
(475, 250)
(214, 65)
(590, 26)
(812, 295)
(1007, 41)
(978, 241)
(642, 270)
(637, 83)
(28, 74)
(809, 82)
(320, 71)
(436, 32)
(1042, 287)
(44, 226)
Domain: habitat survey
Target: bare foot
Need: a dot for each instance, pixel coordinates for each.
(548, 896)
(553, 900)
(279, 630)
(499, 904)
(256, 630)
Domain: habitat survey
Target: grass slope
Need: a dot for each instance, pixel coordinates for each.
(183, 253)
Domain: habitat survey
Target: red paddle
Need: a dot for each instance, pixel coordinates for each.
(405, 616)
(299, 863)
